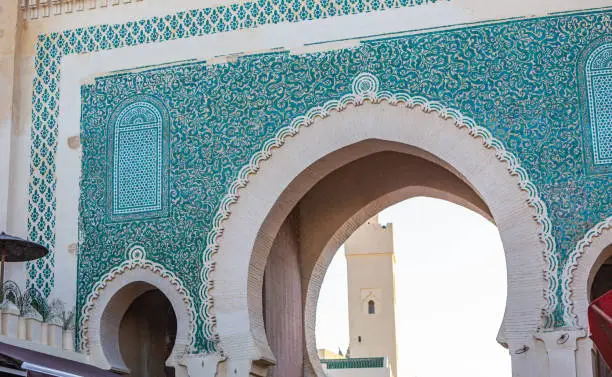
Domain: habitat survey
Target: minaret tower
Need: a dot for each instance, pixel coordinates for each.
(371, 292)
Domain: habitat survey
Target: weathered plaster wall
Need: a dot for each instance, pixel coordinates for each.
(8, 49)
(11, 134)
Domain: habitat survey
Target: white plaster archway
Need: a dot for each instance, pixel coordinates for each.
(272, 192)
(111, 298)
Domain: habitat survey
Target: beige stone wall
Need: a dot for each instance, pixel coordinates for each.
(371, 238)
(8, 49)
(370, 261)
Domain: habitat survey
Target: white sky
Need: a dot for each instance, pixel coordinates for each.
(451, 292)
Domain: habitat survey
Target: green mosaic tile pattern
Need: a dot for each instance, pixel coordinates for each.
(51, 47)
(516, 79)
(369, 362)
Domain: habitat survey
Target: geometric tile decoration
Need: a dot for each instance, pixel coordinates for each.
(523, 94)
(598, 72)
(138, 160)
(184, 24)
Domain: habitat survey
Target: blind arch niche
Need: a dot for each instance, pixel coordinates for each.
(596, 72)
(138, 148)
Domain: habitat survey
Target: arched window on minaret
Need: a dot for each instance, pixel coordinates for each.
(371, 307)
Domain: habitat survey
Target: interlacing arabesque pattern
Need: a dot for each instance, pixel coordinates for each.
(137, 259)
(366, 88)
(225, 117)
(185, 24)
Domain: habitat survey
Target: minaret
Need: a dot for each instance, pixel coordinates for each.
(371, 292)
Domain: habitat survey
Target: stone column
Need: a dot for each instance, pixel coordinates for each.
(9, 12)
(561, 348)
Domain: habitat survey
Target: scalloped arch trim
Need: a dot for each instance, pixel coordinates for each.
(136, 260)
(365, 87)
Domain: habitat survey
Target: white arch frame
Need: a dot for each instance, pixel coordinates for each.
(505, 187)
(585, 258)
(313, 288)
(111, 297)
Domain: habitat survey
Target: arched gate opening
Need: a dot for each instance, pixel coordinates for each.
(146, 335)
(323, 220)
(314, 192)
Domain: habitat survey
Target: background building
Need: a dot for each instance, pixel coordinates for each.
(371, 298)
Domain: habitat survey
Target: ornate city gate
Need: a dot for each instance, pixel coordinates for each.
(179, 149)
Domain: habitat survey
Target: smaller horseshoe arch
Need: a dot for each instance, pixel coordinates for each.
(115, 293)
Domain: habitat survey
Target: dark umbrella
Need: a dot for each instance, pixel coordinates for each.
(15, 249)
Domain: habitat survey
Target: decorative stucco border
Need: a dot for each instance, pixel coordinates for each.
(567, 275)
(136, 260)
(365, 87)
